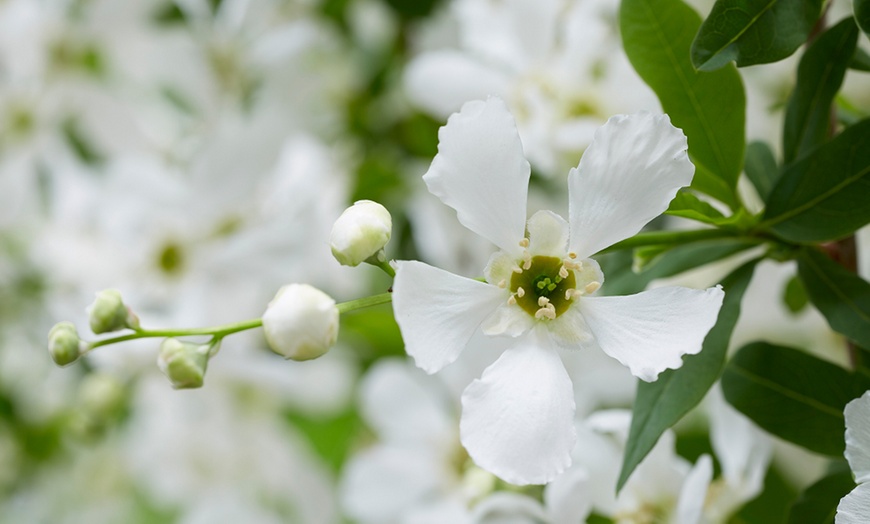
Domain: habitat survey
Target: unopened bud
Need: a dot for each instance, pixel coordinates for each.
(360, 233)
(108, 313)
(64, 343)
(301, 322)
(183, 363)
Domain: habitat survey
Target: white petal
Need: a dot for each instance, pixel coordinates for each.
(568, 498)
(379, 484)
(694, 491)
(569, 331)
(626, 177)
(548, 234)
(854, 508)
(651, 331)
(500, 267)
(402, 404)
(480, 172)
(441, 81)
(438, 312)
(509, 320)
(517, 418)
(508, 508)
(858, 437)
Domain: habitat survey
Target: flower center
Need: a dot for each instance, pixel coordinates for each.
(545, 289)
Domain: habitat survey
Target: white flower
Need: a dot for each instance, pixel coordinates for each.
(517, 418)
(360, 233)
(301, 322)
(854, 508)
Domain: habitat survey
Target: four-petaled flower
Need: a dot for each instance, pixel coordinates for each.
(539, 294)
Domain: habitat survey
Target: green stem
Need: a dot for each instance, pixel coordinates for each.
(219, 332)
(360, 303)
(656, 238)
(386, 267)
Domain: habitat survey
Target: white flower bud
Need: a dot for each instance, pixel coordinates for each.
(108, 313)
(183, 363)
(301, 322)
(64, 343)
(360, 233)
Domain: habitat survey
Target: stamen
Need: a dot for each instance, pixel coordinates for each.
(572, 255)
(524, 242)
(571, 294)
(527, 264)
(592, 287)
(543, 301)
(503, 283)
(518, 270)
(546, 312)
(512, 301)
(563, 272)
(521, 292)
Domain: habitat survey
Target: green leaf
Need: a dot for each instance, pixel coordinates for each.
(860, 61)
(862, 14)
(666, 261)
(761, 169)
(708, 107)
(795, 295)
(842, 296)
(792, 395)
(753, 31)
(826, 194)
(689, 206)
(820, 74)
(660, 404)
(818, 504)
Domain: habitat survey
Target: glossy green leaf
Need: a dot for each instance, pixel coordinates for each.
(666, 261)
(792, 394)
(818, 503)
(860, 61)
(753, 31)
(689, 206)
(842, 296)
(708, 107)
(826, 194)
(862, 14)
(761, 169)
(661, 404)
(820, 75)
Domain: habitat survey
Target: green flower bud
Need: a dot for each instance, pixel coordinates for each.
(108, 313)
(360, 233)
(301, 322)
(64, 344)
(183, 363)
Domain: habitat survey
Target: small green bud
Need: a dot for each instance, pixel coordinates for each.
(360, 233)
(301, 322)
(183, 363)
(64, 344)
(108, 313)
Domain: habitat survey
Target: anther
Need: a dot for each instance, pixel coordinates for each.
(546, 312)
(572, 255)
(571, 294)
(512, 300)
(521, 292)
(543, 301)
(524, 242)
(518, 270)
(502, 283)
(563, 272)
(592, 287)
(527, 264)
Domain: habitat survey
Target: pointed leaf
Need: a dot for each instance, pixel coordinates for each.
(761, 169)
(818, 503)
(820, 74)
(862, 14)
(708, 107)
(661, 404)
(842, 296)
(826, 194)
(793, 395)
(753, 32)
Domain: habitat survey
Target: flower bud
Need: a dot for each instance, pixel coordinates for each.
(301, 322)
(108, 313)
(183, 363)
(360, 233)
(64, 343)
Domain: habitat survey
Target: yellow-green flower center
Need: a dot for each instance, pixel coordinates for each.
(543, 283)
